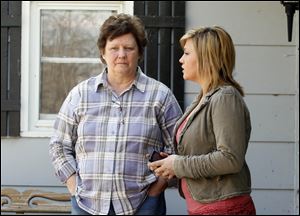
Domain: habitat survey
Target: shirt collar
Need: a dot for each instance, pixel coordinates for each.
(139, 82)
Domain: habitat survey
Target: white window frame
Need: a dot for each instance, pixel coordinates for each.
(31, 125)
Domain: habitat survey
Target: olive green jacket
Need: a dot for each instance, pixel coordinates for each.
(213, 145)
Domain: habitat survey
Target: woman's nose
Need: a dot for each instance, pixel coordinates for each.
(121, 53)
(181, 60)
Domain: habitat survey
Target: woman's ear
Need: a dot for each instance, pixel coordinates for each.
(102, 54)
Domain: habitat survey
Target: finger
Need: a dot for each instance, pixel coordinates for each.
(156, 163)
(159, 171)
(164, 154)
(157, 174)
(152, 166)
(165, 175)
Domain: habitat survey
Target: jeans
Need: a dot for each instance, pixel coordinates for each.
(76, 210)
(153, 205)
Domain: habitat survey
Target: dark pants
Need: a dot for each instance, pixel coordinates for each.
(151, 206)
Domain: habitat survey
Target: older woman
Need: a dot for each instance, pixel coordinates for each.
(108, 125)
(212, 136)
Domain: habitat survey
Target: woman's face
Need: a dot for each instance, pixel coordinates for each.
(189, 62)
(121, 54)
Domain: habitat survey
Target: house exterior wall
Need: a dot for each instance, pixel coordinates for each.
(267, 67)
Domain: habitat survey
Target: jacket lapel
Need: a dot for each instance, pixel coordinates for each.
(194, 105)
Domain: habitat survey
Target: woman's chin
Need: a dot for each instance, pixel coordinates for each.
(184, 77)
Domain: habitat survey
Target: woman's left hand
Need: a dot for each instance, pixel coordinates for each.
(164, 167)
(157, 187)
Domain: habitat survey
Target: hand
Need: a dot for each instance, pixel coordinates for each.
(164, 167)
(157, 187)
(71, 184)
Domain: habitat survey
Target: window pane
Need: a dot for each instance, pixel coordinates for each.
(67, 36)
(71, 33)
(59, 79)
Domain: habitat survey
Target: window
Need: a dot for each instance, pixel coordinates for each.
(59, 49)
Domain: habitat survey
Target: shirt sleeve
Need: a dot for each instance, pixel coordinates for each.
(171, 113)
(62, 143)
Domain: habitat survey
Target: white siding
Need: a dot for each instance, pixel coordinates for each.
(267, 171)
(26, 161)
(268, 68)
(249, 22)
(273, 202)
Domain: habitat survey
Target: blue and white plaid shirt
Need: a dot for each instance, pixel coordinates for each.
(104, 139)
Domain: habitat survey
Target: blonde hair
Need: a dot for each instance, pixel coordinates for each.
(216, 55)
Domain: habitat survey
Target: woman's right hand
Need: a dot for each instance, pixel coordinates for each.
(163, 167)
(71, 184)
